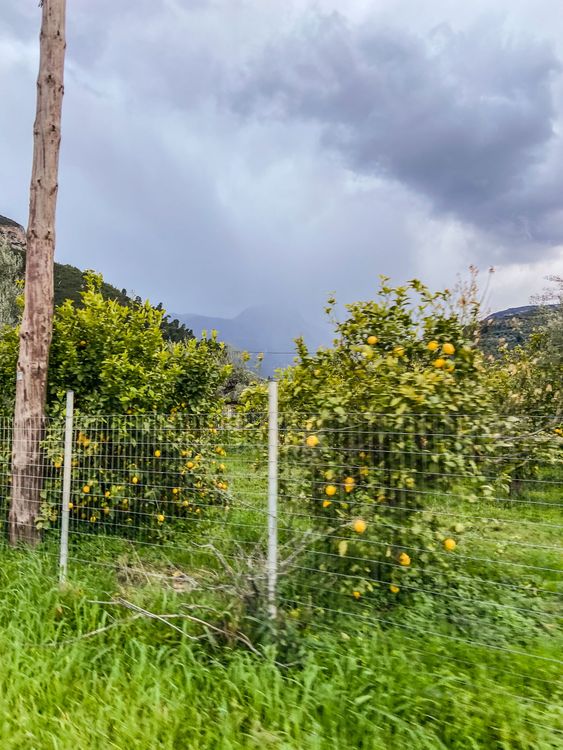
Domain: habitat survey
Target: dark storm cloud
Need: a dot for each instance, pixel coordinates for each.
(465, 119)
(199, 138)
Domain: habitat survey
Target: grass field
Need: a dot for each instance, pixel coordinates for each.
(478, 665)
(141, 684)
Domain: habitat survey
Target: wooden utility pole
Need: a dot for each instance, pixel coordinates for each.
(37, 323)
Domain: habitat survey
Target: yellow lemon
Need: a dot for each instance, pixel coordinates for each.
(356, 594)
(394, 589)
(448, 348)
(70, 506)
(160, 518)
(399, 351)
(157, 454)
(175, 490)
(349, 484)
(404, 559)
(185, 503)
(326, 503)
(372, 340)
(93, 519)
(312, 441)
(106, 510)
(432, 346)
(190, 464)
(107, 493)
(359, 526)
(330, 490)
(439, 363)
(86, 489)
(184, 453)
(57, 464)
(135, 480)
(450, 544)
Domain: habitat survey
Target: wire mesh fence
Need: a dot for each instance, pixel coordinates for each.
(37, 469)
(445, 529)
(167, 485)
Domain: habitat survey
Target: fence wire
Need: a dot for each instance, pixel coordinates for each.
(442, 529)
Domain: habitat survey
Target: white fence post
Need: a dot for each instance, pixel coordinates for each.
(67, 477)
(272, 496)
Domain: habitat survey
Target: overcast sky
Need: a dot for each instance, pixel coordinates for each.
(218, 154)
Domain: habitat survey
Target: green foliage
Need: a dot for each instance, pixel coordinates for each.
(377, 420)
(11, 272)
(137, 472)
(241, 375)
(510, 329)
(139, 683)
(529, 378)
(135, 394)
(117, 361)
(69, 284)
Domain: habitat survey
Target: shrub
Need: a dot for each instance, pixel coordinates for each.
(373, 424)
(136, 394)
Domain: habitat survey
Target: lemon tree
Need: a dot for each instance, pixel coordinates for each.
(143, 405)
(374, 424)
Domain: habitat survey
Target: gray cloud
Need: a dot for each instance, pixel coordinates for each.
(223, 153)
(465, 119)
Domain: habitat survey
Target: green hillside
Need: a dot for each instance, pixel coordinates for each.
(68, 281)
(68, 284)
(512, 327)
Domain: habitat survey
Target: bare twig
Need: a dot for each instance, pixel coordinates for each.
(152, 616)
(165, 619)
(92, 633)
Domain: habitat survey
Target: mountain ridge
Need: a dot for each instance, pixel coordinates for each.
(261, 329)
(269, 329)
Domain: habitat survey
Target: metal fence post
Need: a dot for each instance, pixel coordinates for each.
(67, 477)
(272, 496)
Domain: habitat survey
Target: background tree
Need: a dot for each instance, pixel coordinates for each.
(551, 304)
(36, 328)
(11, 272)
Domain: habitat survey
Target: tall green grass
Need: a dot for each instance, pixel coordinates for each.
(140, 684)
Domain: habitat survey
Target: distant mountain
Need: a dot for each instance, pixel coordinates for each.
(6, 222)
(272, 330)
(266, 329)
(515, 312)
(512, 327)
